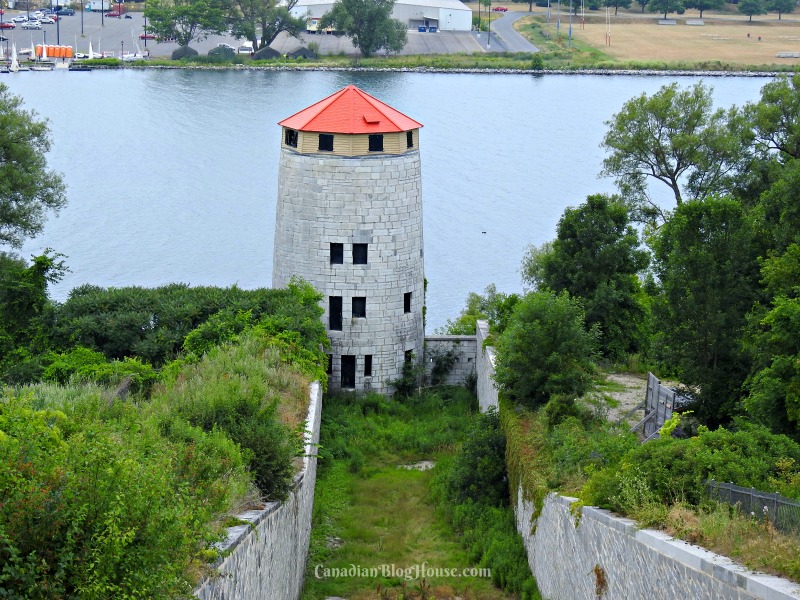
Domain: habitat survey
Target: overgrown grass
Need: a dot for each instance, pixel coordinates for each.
(369, 512)
(567, 449)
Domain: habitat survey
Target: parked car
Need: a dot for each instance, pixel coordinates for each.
(66, 12)
(500, 9)
(147, 36)
(8, 25)
(227, 47)
(20, 19)
(31, 25)
(47, 21)
(114, 13)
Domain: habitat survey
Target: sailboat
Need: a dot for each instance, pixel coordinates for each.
(41, 65)
(13, 66)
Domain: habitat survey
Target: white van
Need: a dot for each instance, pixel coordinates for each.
(245, 48)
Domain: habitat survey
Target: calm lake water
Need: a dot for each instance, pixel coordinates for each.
(172, 175)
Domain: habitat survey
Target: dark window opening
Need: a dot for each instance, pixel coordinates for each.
(326, 142)
(348, 371)
(409, 139)
(335, 313)
(409, 356)
(368, 365)
(337, 254)
(290, 138)
(359, 307)
(359, 254)
(330, 364)
(376, 142)
(407, 302)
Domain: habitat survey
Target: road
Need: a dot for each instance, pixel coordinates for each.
(116, 35)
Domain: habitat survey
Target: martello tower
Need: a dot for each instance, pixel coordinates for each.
(349, 221)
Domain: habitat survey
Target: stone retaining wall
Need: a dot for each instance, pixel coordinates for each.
(608, 557)
(266, 560)
(466, 349)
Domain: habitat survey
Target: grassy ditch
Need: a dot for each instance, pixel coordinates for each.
(370, 513)
(570, 448)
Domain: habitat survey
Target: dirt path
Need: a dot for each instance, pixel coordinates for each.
(634, 388)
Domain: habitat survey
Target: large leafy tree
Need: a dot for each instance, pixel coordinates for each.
(752, 7)
(269, 17)
(703, 5)
(617, 4)
(676, 138)
(775, 118)
(368, 23)
(495, 307)
(664, 6)
(545, 350)
(774, 388)
(187, 20)
(28, 189)
(781, 6)
(596, 258)
(705, 259)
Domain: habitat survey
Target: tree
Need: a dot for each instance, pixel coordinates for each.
(368, 23)
(545, 350)
(781, 6)
(494, 306)
(596, 258)
(617, 4)
(705, 259)
(673, 137)
(775, 118)
(774, 388)
(703, 5)
(752, 7)
(643, 4)
(187, 20)
(665, 6)
(269, 17)
(27, 188)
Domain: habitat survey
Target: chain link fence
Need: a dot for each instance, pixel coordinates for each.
(782, 512)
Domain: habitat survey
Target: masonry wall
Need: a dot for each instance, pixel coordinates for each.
(487, 391)
(466, 350)
(608, 557)
(268, 560)
(372, 200)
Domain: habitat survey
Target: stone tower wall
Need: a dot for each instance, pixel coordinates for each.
(373, 200)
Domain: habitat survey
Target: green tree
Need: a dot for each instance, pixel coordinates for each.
(27, 188)
(673, 137)
(187, 20)
(781, 6)
(775, 118)
(545, 350)
(705, 260)
(703, 5)
(774, 388)
(643, 4)
(495, 307)
(269, 17)
(596, 258)
(752, 7)
(617, 4)
(665, 6)
(368, 23)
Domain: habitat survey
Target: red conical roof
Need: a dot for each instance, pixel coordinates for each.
(350, 110)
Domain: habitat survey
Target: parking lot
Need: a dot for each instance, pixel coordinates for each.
(114, 36)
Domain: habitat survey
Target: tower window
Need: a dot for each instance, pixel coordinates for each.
(407, 302)
(337, 253)
(335, 313)
(359, 307)
(409, 139)
(359, 254)
(368, 365)
(376, 142)
(408, 356)
(290, 137)
(326, 142)
(330, 364)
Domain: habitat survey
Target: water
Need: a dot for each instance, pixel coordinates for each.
(172, 175)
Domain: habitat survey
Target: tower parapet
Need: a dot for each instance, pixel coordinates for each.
(349, 221)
